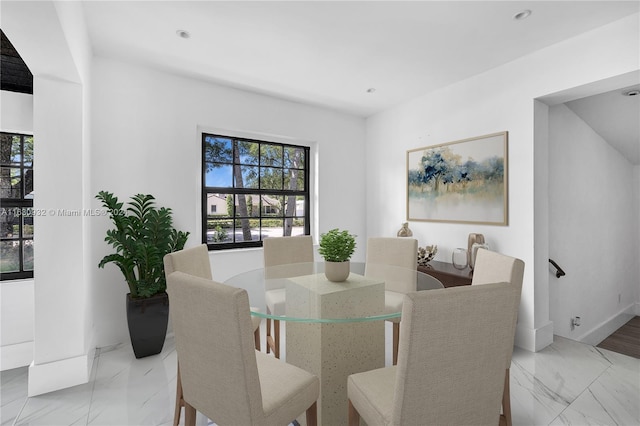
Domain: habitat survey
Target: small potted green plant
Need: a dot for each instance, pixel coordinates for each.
(142, 236)
(337, 247)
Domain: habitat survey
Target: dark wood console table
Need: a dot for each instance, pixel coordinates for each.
(447, 273)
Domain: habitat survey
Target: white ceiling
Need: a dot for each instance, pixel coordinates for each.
(615, 117)
(328, 53)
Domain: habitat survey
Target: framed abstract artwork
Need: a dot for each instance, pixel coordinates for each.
(463, 181)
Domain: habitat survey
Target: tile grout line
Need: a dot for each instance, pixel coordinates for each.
(588, 389)
(93, 386)
(24, 404)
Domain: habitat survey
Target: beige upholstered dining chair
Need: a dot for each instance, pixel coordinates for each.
(223, 376)
(394, 260)
(491, 267)
(453, 346)
(195, 261)
(281, 251)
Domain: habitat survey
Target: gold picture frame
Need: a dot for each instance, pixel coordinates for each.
(464, 181)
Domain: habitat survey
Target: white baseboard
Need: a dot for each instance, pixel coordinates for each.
(52, 376)
(57, 375)
(601, 331)
(17, 355)
(536, 339)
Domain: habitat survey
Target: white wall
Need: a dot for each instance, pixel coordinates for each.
(16, 112)
(592, 233)
(145, 138)
(16, 297)
(17, 320)
(500, 99)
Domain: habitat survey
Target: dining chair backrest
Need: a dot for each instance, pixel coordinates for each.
(453, 346)
(493, 267)
(193, 261)
(214, 342)
(394, 260)
(286, 251)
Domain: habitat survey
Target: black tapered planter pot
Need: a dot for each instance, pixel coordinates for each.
(148, 319)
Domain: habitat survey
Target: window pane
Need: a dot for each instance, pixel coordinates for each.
(218, 175)
(294, 179)
(220, 205)
(253, 205)
(10, 183)
(10, 149)
(10, 224)
(28, 151)
(249, 177)
(247, 205)
(219, 231)
(270, 155)
(271, 205)
(270, 178)
(294, 157)
(248, 152)
(28, 255)
(218, 149)
(27, 226)
(294, 206)
(9, 256)
(296, 226)
(272, 228)
(28, 181)
(247, 230)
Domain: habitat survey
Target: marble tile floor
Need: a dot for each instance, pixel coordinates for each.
(567, 383)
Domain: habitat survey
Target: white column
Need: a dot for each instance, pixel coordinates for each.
(62, 355)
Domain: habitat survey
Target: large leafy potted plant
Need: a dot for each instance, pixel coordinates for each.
(142, 236)
(337, 247)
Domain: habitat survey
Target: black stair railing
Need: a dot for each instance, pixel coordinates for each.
(559, 271)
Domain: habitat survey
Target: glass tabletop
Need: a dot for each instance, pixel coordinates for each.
(300, 292)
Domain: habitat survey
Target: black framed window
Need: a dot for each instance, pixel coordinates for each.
(252, 190)
(16, 206)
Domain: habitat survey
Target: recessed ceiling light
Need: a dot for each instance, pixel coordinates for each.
(522, 15)
(371, 89)
(632, 93)
(183, 34)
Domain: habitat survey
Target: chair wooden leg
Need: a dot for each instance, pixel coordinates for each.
(179, 399)
(256, 336)
(189, 415)
(506, 399)
(354, 416)
(276, 332)
(273, 341)
(312, 415)
(396, 341)
(269, 339)
(502, 421)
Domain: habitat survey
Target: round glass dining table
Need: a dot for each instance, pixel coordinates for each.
(332, 329)
(266, 284)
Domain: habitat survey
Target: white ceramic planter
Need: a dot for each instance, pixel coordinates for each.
(336, 271)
